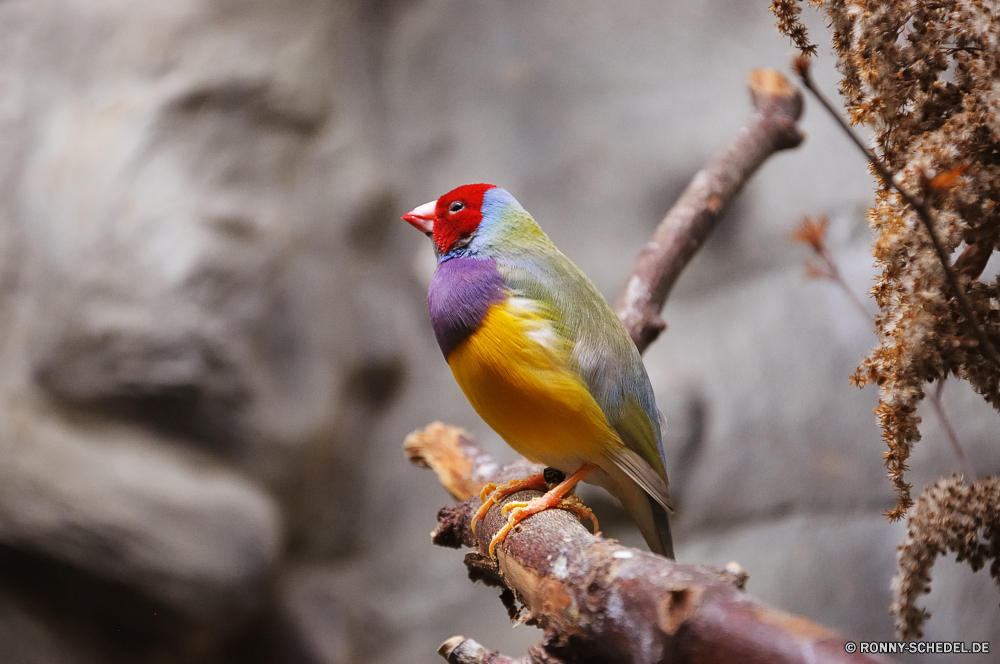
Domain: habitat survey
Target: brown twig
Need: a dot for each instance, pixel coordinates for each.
(802, 68)
(684, 230)
(949, 432)
(813, 233)
(598, 601)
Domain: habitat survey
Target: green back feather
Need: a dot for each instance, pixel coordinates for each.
(603, 354)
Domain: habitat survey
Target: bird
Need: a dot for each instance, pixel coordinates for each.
(544, 361)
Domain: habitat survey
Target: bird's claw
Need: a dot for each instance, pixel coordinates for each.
(498, 492)
(560, 496)
(573, 503)
(517, 511)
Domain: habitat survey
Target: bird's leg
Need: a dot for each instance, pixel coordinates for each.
(494, 493)
(548, 479)
(571, 502)
(560, 496)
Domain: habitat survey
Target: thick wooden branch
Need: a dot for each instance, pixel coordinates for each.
(683, 231)
(598, 601)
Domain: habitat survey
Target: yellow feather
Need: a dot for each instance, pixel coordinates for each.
(516, 372)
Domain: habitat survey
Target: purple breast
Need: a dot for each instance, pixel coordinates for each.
(461, 292)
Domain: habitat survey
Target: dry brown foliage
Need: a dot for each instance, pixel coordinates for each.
(924, 78)
(949, 516)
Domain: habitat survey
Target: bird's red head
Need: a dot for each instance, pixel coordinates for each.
(452, 218)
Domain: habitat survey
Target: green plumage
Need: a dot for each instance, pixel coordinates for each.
(603, 354)
(541, 355)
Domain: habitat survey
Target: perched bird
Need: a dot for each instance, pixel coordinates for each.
(543, 359)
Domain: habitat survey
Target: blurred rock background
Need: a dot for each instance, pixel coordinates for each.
(214, 333)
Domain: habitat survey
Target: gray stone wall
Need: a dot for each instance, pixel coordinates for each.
(213, 333)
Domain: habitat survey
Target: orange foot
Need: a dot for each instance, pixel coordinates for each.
(498, 492)
(559, 496)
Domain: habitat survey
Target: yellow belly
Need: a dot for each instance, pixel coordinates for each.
(515, 372)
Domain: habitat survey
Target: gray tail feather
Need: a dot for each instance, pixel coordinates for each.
(662, 521)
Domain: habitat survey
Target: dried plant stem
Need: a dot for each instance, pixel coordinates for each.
(852, 296)
(988, 350)
(812, 233)
(956, 444)
(833, 273)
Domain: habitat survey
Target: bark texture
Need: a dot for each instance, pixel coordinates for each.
(598, 601)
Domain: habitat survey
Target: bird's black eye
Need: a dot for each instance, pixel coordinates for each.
(457, 206)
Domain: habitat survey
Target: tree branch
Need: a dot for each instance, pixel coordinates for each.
(778, 106)
(599, 601)
(460, 465)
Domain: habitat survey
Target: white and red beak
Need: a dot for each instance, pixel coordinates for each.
(422, 217)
